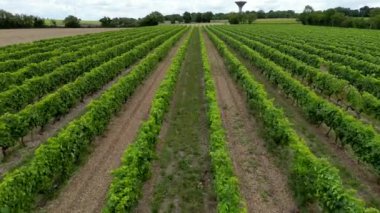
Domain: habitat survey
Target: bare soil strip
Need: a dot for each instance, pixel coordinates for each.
(354, 174)
(15, 36)
(86, 190)
(263, 185)
(181, 179)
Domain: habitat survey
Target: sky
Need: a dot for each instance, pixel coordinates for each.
(96, 9)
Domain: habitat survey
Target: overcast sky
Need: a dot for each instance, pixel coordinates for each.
(95, 9)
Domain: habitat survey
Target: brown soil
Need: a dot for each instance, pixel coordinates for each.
(86, 190)
(262, 184)
(14, 36)
(354, 173)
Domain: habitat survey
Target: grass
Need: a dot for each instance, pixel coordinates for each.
(276, 21)
(82, 22)
(184, 181)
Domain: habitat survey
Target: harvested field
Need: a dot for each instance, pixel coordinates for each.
(15, 36)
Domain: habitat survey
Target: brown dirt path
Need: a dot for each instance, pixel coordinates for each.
(353, 173)
(86, 190)
(15, 36)
(262, 184)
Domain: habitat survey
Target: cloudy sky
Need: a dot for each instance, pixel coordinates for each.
(95, 9)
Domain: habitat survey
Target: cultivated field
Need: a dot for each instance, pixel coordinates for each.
(218, 118)
(15, 36)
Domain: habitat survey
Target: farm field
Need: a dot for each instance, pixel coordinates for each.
(15, 36)
(276, 21)
(214, 118)
(59, 22)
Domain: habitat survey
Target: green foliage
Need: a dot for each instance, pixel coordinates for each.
(314, 178)
(56, 55)
(225, 182)
(118, 22)
(9, 20)
(187, 17)
(324, 82)
(234, 18)
(128, 179)
(242, 18)
(35, 88)
(55, 160)
(60, 102)
(342, 17)
(174, 18)
(152, 19)
(71, 22)
(362, 138)
(106, 22)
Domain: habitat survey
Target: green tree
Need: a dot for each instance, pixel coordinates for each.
(53, 23)
(375, 22)
(198, 17)
(261, 14)
(251, 17)
(71, 22)
(106, 22)
(152, 19)
(337, 19)
(187, 17)
(206, 17)
(38, 22)
(308, 9)
(234, 18)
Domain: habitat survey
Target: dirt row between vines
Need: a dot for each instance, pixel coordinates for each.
(262, 183)
(86, 190)
(15, 36)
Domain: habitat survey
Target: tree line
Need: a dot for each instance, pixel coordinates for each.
(365, 17)
(9, 20)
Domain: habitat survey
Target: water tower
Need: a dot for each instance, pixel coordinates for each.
(240, 4)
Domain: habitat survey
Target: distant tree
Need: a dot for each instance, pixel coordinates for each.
(9, 20)
(38, 22)
(308, 9)
(261, 14)
(53, 23)
(220, 16)
(71, 22)
(375, 22)
(187, 17)
(251, 17)
(364, 11)
(173, 18)
(106, 22)
(152, 19)
(234, 18)
(124, 22)
(360, 23)
(197, 17)
(375, 18)
(374, 12)
(206, 17)
(337, 19)
(157, 16)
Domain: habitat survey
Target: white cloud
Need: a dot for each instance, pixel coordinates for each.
(95, 9)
